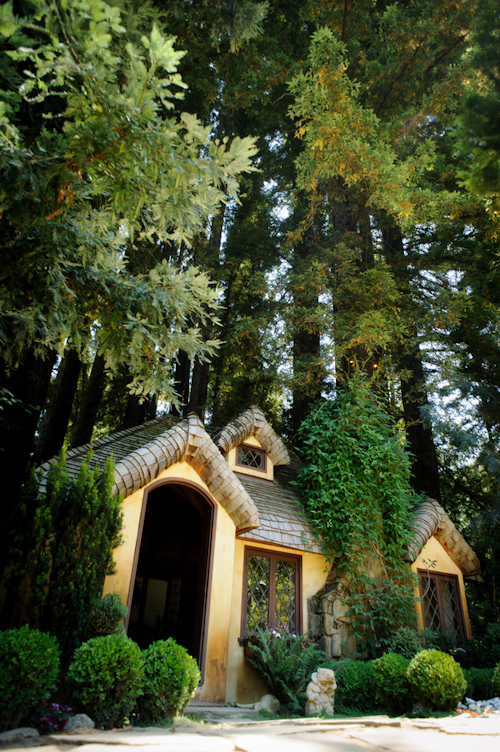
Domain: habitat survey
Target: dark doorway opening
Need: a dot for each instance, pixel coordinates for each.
(172, 579)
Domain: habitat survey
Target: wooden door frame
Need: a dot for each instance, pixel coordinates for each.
(175, 481)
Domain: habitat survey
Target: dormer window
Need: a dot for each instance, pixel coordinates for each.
(251, 457)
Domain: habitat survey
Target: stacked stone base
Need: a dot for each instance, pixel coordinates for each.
(328, 624)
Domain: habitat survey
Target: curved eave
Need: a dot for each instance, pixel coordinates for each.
(253, 423)
(429, 520)
(188, 442)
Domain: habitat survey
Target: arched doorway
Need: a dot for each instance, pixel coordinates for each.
(171, 579)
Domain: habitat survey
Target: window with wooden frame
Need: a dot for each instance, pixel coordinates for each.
(271, 592)
(251, 457)
(441, 603)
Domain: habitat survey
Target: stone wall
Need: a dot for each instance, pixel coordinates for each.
(328, 624)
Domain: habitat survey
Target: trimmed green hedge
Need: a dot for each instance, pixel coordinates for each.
(105, 678)
(436, 679)
(171, 676)
(29, 670)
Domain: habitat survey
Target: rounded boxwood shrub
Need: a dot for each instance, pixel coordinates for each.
(355, 686)
(392, 688)
(436, 679)
(29, 669)
(171, 676)
(406, 642)
(105, 678)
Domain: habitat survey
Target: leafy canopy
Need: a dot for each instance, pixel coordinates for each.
(100, 184)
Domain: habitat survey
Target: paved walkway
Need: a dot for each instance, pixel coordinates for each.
(229, 734)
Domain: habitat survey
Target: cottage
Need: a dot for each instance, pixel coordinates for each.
(215, 543)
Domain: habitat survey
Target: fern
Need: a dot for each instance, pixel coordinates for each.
(286, 662)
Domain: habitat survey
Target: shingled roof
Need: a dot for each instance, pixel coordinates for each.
(282, 520)
(118, 445)
(141, 454)
(253, 423)
(263, 510)
(430, 519)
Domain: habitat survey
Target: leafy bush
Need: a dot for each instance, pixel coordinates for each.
(487, 648)
(406, 642)
(355, 687)
(106, 617)
(105, 678)
(286, 662)
(436, 679)
(29, 669)
(171, 676)
(392, 688)
(496, 680)
(479, 683)
(436, 640)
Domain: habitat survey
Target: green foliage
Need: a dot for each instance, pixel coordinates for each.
(357, 494)
(171, 676)
(436, 679)
(102, 190)
(63, 548)
(495, 680)
(286, 663)
(392, 688)
(355, 687)
(29, 670)
(105, 679)
(405, 642)
(479, 129)
(106, 617)
(488, 647)
(436, 640)
(479, 683)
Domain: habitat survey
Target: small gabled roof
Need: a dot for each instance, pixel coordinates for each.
(429, 520)
(253, 423)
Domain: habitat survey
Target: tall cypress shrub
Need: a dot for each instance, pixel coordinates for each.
(64, 549)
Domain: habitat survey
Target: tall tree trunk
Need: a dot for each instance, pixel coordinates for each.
(199, 388)
(425, 474)
(28, 384)
(201, 370)
(56, 418)
(84, 424)
(221, 354)
(138, 412)
(308, 369)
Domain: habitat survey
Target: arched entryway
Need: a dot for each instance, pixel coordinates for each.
(171, 579)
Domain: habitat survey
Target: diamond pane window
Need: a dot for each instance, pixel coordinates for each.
(440, 598)
(270, 592)
(249, 456)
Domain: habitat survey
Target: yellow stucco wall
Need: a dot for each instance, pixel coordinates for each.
(433, 551)
(213, 688)
(244, 683)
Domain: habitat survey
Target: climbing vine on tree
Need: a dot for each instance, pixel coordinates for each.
(356, 489)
